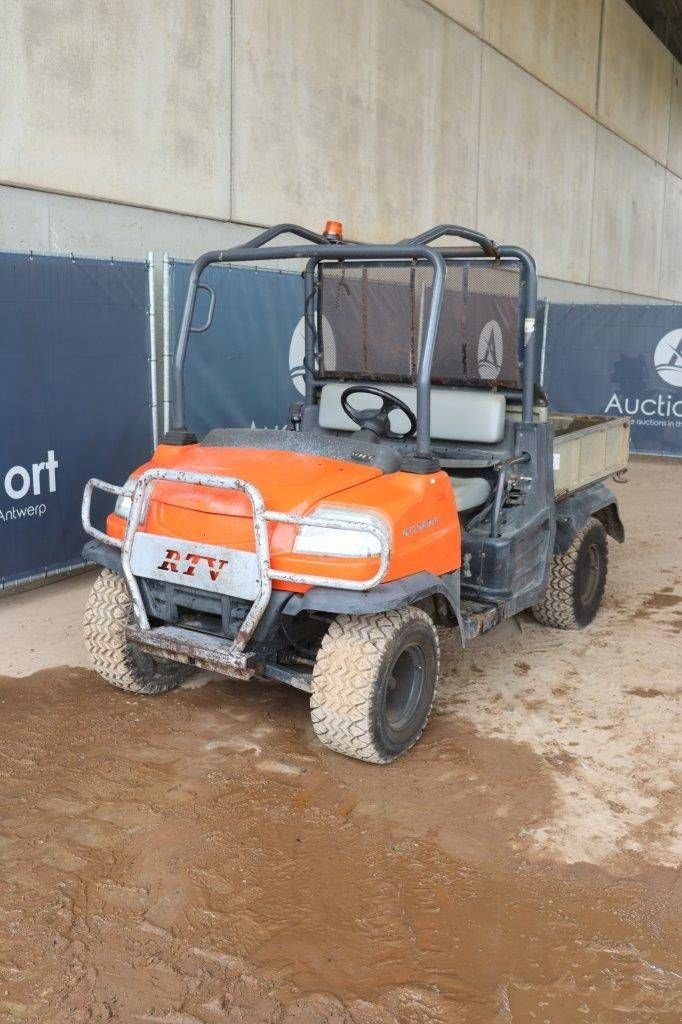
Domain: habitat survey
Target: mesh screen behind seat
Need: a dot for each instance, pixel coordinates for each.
(374, 315)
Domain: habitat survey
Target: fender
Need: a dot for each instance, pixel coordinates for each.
(103, 554)
(573, 512)
(383, 598)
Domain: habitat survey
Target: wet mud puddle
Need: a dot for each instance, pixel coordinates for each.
(199, 857)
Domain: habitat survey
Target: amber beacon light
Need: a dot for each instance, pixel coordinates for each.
(333, 229)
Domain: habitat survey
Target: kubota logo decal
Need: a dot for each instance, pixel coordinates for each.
(174, 562)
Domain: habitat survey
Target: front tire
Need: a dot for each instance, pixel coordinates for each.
(577, 581)
(374, 683)
(108, 612)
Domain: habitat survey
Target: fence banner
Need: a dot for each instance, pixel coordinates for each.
(619, 360)
(75, 397)
(247, 368)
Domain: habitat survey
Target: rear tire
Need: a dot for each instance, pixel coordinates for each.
(108, 611)
(577, 581)
(374, 683)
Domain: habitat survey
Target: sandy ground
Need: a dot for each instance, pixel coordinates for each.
(200, 858)
(42, 628)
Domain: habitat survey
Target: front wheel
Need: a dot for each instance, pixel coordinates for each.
(577, 581)
(374, 683)
(108, 611)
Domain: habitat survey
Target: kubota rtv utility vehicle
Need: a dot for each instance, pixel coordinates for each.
(421, 482)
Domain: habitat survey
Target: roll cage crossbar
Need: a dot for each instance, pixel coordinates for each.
(318, 249)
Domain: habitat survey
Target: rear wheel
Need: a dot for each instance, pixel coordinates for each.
(577, 581)
(374, 683)
(108, 611)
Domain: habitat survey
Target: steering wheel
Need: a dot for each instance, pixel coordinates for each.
(377, 420)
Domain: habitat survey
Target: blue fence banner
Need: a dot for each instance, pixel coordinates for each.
(622, 361)
(247, 368)
(75, 398)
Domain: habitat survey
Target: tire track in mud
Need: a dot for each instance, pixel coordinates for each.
(199, 857)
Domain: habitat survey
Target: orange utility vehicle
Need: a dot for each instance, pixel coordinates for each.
(414, 487)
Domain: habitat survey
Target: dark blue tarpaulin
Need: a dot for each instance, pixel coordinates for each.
(619, 360)
(74, 398)
(246, 367)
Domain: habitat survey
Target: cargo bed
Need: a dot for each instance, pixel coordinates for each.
(587, 449)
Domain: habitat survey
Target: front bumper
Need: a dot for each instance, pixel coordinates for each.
(189, 646)
(192, 648)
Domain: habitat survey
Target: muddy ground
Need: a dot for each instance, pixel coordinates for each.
(199, 857)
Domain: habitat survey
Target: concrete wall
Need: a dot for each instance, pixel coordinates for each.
(635, 81)
(627, 219)
(172, 124)
(125, 101)
(539, 153)
(674, 160)
(557, 41)
(384, 133)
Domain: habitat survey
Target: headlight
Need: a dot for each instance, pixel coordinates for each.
(125, 498)
(330, 540)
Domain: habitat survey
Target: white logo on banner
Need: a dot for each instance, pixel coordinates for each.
(21, 481)
(297, 352)
(658, 410)
(490, 351)
(668, 358)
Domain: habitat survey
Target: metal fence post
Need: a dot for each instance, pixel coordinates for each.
(166, 356)
(152, 346)
(544, 344)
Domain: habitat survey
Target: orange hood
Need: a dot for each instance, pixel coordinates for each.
(288, 481)
(419, 508)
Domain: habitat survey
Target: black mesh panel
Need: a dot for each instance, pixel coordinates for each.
(374, 316)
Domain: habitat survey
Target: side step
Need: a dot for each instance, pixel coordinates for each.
(213, 653)
(478, 618)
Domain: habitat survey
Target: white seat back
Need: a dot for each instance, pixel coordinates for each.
(457, 414)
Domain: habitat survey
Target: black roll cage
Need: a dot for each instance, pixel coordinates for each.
(322, 248)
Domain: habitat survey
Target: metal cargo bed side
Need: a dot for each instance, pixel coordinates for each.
(588, 449)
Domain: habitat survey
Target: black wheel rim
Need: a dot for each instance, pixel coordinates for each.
(592, 575)
(404, 689)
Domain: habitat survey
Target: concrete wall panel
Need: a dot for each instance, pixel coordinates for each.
(537, 159)
(634, 81)
(566, 291)
(671, 264)
(675, 137)
(47, 222)
(123, 101)
(383, 136)
(627, 218)
(467, 12)
(556, 41)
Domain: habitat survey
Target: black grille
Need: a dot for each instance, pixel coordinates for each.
(194, 609)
